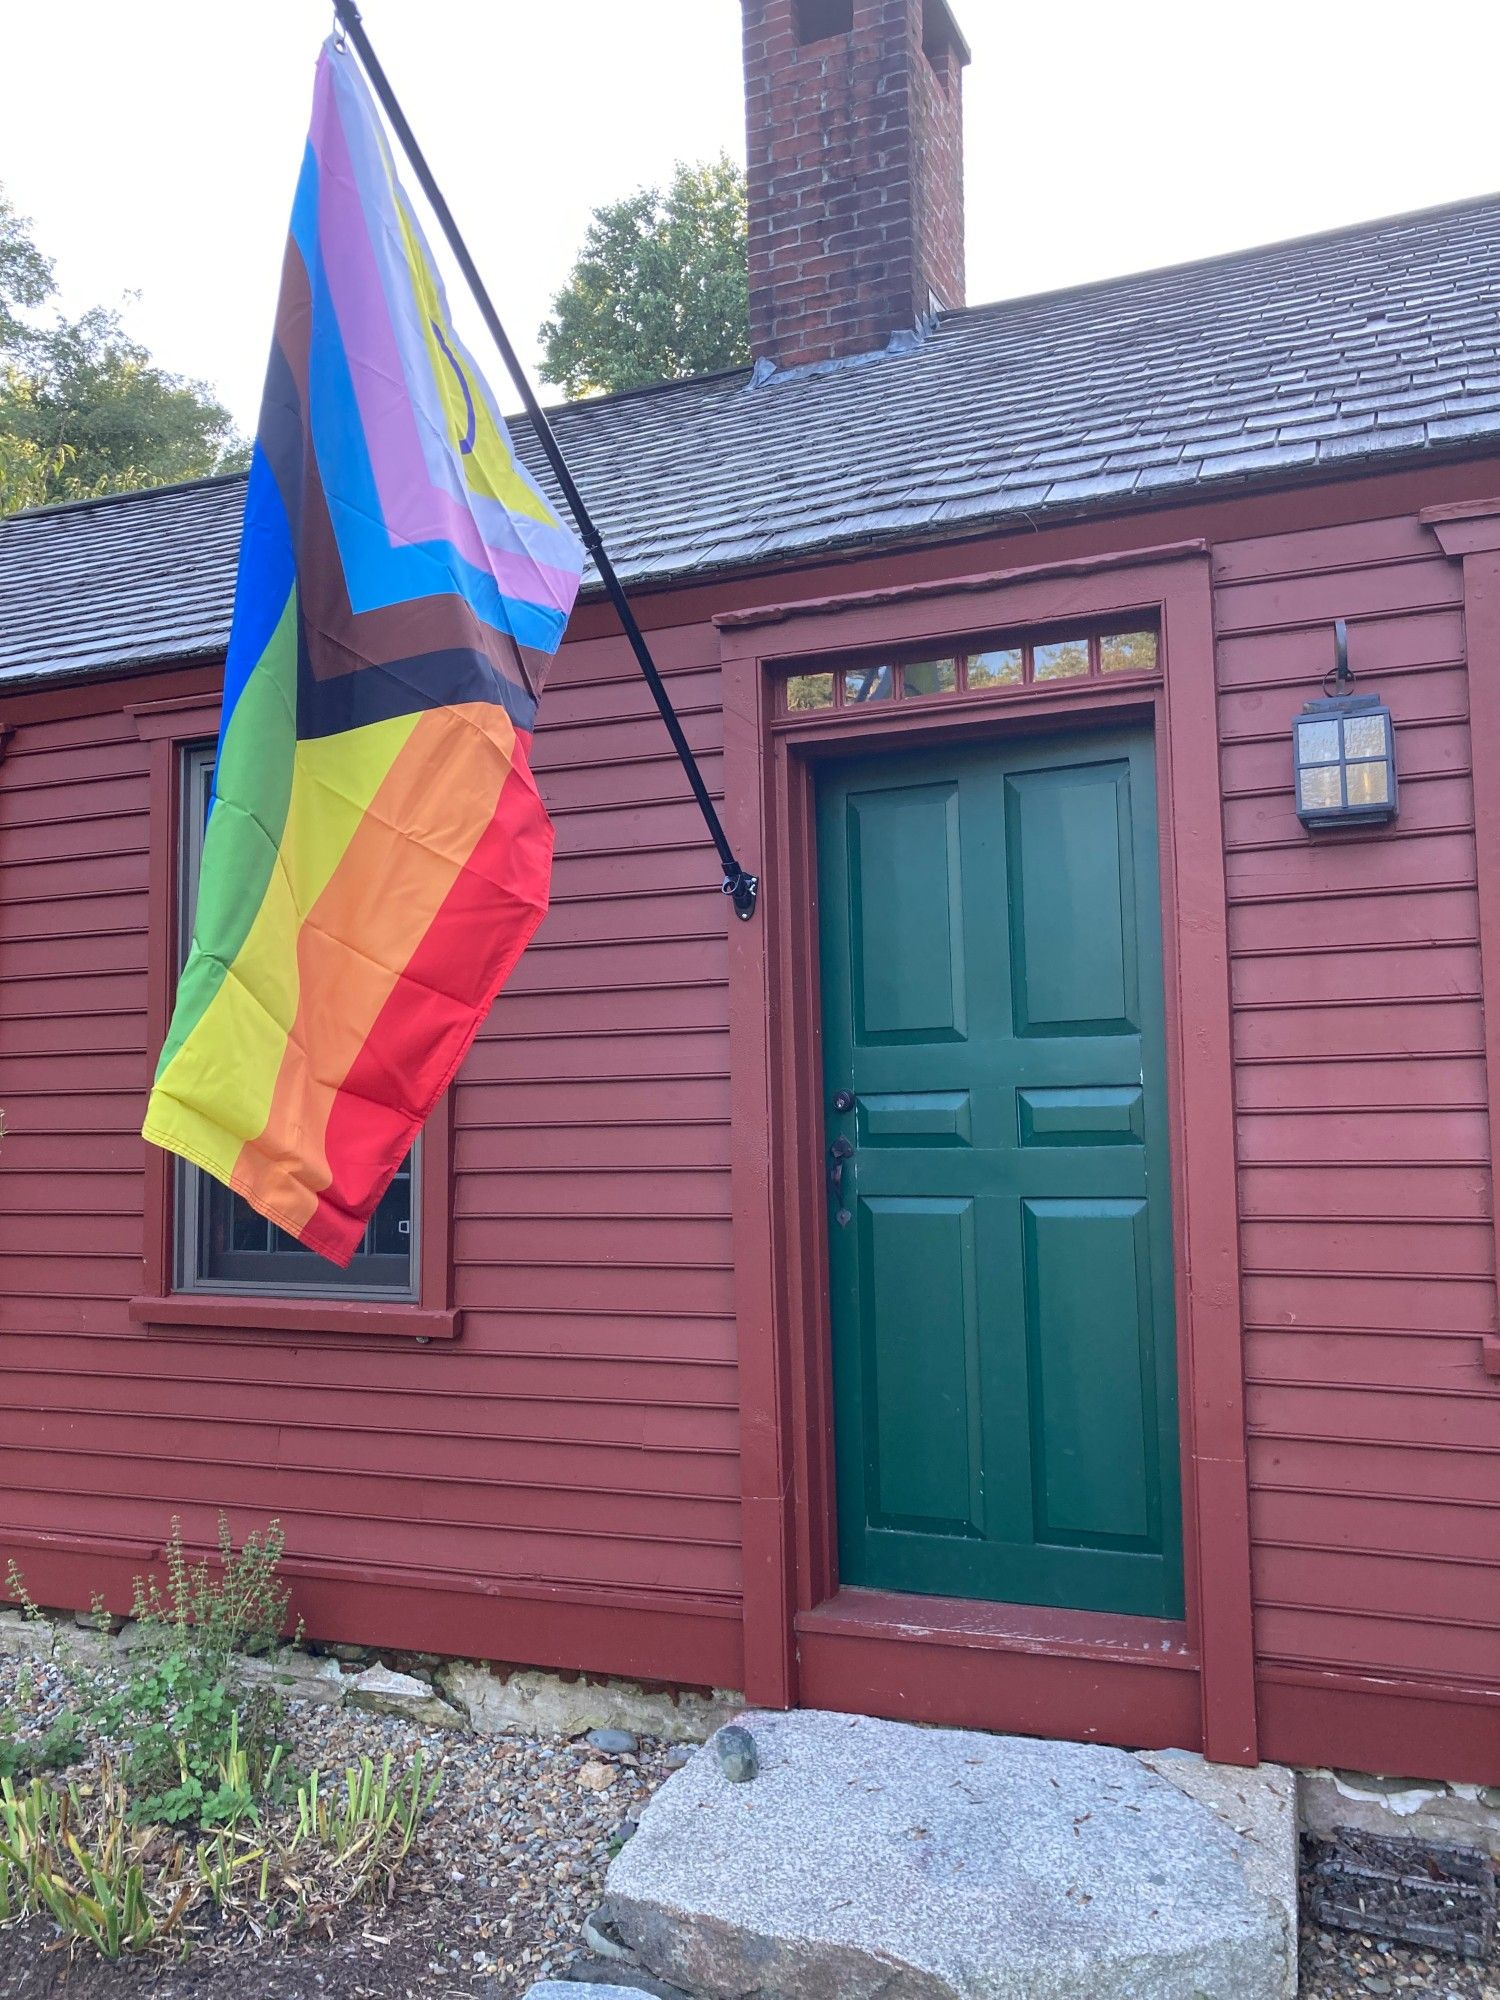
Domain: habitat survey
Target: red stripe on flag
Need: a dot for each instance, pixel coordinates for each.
(436, 1008)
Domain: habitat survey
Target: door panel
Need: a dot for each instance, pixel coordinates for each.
(1088, 1320)
(1072, 918)
(909, 966)
(922, 1394)
(1004, 1363)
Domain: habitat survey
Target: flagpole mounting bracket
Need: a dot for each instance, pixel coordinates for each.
(742, 888)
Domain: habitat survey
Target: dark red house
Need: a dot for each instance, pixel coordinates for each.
(1040, 1273)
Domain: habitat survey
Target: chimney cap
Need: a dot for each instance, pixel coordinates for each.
(938, 24)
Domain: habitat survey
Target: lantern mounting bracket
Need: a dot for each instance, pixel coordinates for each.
(1340, 672)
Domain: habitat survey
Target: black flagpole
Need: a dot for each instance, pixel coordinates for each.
(738, 883)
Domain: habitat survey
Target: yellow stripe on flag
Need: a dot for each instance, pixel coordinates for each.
(233, 1056)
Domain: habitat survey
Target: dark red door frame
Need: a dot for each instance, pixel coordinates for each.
(777, 1118)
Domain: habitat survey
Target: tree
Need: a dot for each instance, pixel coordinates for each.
(659, 290)
(83, 408)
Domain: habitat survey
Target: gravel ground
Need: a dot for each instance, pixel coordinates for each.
(511, 1862)
(1339, 1965)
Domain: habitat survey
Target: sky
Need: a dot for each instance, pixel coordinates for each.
(156, 145)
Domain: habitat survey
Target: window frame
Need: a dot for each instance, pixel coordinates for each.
(168, 728)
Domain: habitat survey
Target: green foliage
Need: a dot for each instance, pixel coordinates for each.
(93, 1888)
(83, 408)
(369, 1826)
(168, 1704)
(54, 1749)
(191, 1815)
(192, 1750)
(659, 290)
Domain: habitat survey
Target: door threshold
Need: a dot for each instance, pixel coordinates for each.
(1013, 1628)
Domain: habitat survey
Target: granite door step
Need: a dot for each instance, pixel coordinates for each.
(872, 1860)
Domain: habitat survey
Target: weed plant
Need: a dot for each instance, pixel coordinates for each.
(191, 1816)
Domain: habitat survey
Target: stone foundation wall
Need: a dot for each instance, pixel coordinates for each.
(437, 1693)
(493, 1701)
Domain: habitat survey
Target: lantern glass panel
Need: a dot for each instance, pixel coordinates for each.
(1318, 788)
(1368, 784)
(1364, 736)
(1318, 743)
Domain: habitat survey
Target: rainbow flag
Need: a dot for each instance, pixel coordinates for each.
(377, 856)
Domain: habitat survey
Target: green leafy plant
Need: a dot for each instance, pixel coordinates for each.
(53, 1749)
(93, 1888)
(370, 1825)
(190, 1816)
(193, 1749)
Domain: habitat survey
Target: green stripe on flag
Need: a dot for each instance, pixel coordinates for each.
(252, 787)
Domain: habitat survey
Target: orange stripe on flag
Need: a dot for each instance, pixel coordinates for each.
(433, 806)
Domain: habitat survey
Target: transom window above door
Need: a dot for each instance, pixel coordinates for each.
(1035, 660)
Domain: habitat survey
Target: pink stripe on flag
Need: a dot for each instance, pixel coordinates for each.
(414, 508)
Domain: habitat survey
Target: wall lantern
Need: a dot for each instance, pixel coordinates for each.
(1344, 750)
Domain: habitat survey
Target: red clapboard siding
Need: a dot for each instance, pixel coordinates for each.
(579, 1440)
(1365, 1189)
(582, 1433)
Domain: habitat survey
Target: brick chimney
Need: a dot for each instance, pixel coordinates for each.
(854, 119)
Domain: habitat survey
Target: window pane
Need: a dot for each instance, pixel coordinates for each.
(1062, 660)
(390, 1226)
(1369, 784)
(1128, 653)
(1364, 735)
(1003, 666)
(930, 677)
(1317, 742)
(224, 1242)
(809, 691)
(244, 1228)
(1318, 787)
(863, 684)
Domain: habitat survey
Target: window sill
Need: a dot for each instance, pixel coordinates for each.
(295, 1317)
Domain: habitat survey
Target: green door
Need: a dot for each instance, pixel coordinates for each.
(1000, 1260)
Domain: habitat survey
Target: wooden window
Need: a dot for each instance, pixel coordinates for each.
(222, 1243)
(1045, 659)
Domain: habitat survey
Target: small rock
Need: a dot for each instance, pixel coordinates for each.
(568, 1989)
(596, 1777)
(738, 1758)
(680, 1754)
(601, 1938)
(382, 1692)
(97, 1621)
(614, 1742)
(24, 1638)
(340, 1649)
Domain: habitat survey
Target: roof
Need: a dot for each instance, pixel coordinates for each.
(1352, 349)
